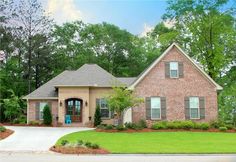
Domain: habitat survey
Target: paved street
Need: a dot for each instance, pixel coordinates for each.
(34, 138)
(53, 157)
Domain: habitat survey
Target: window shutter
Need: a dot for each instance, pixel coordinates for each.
(97, 102)
(163, 108)
(37, 104)
(181, 69)
(187, 110)
(148, 108)
(202, 107)
(167, 69)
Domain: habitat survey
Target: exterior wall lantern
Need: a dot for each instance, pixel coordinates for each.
(60, 103)
(86, 103)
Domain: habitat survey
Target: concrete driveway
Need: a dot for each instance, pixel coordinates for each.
(33, 139)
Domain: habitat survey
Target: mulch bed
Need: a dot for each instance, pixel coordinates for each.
(77, 150)
(5, 134)
(163, 130)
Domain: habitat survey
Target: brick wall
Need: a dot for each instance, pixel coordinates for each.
(192, 84)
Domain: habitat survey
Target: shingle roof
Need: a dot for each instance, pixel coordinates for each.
(88, 75)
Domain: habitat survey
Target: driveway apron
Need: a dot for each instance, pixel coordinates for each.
(35, 138)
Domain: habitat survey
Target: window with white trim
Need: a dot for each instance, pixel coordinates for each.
(194, 108)
(41, 107)
(155, 108)
(105, 113)
(174, 70)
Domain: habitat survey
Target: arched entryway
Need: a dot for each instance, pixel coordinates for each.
(74, 108)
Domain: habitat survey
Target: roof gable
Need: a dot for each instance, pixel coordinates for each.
(143, 74)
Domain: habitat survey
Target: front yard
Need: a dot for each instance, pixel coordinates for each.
(158, 142)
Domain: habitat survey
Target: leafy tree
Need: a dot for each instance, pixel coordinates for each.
(209, 28)
(12, 107)
(97, 117)
(47, 115)
(120, 100)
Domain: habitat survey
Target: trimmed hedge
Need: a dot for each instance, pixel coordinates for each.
(187, 125)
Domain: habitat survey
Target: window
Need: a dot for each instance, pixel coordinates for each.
(41, 107)
(155, 108)
(174, 73)
(105, 113)
(194, 107)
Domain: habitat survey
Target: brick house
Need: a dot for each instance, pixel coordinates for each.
(174, 88)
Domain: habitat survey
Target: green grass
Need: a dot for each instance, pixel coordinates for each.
(158, 142)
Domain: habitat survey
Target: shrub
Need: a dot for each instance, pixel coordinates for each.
(64, 142)
(159, 125)
(130, 125)
(120, 127)
(229, 126)
(204, 126)
(223, 129)
(80, 142)
(94, 146)
(34, 123)
(88, 144)
(47, 115)
(16, 121)
(97, 117)
(2, 129)
(216, 124)
(142, 123)
(173, 125)
(109, 127)
(101, 126)
(187, 125)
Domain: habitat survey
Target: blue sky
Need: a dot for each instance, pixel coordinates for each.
(136, 16)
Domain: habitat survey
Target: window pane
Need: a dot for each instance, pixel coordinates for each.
(103, 103)
(155, 102)
(155, 114)
(173, 73)
(194, 113)
(104, 113)
(173, 65)
(41, 107)
(194, 102)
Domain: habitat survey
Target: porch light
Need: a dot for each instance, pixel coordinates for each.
(60, 103)
(86, 103)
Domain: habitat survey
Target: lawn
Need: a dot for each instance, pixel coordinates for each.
(158, 142)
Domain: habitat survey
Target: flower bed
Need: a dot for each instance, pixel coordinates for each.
(4, 133)
(77, 150)
(79, 147)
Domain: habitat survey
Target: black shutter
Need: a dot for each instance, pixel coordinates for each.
(37, 107)
(202, 107)
(181, 69)
(167, 69)
(186, 106)
(148, 108)
(163, 108)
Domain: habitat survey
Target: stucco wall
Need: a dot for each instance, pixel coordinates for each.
(192, 84)
(95, 93)
(32, 106)
(73, 92)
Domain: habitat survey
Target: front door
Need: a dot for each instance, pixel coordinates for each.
(74, 109)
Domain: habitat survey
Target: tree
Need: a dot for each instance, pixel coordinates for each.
(209, 29)
(12, 107)
(120, 100)
(47, 115)
(30, 20)
(97, 117)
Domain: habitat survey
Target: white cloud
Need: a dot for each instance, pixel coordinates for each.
(146, 28)
(63, 10)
